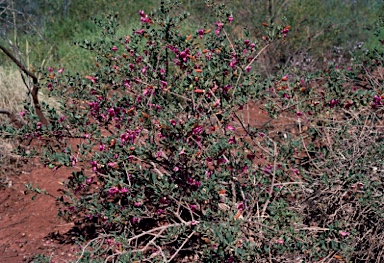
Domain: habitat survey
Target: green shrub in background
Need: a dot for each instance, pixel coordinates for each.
(317, 27)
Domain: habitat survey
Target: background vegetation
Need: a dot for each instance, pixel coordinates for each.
(44, 31)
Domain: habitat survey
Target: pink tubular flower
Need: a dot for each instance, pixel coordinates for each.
(200, 32)
(139, 32)
(184, 54)
(61, 70)
(193, 207)
(113, 191)
(280, 241)
(333, 102)
(197, 130)
(123, 190)
(230, 19)
(232, 140)
(233, 63)
(219, 27)
(217, 103)
(114, 48)
(160, 211)
(343, 233)
(173, 122)
(230, 127)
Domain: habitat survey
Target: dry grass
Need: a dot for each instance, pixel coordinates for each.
(13, 93)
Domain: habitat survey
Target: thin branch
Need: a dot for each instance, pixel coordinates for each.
(182, 245)
(35, 89)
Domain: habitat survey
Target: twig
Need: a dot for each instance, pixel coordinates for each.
(273, 178)
(35, 89)
(160, 228)
(182, 245)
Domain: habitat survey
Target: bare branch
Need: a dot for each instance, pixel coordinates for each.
(35, 89)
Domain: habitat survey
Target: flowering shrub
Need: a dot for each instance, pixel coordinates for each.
(167, 167)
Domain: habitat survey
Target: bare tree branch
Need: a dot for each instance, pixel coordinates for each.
(35, 88)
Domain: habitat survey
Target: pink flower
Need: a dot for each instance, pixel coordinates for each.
(219, 27)
(343, 233)
(127, 83)
(175, 168)
(74, 160)
(160, 211)
(113, 164)
(233, 63)
(184, 54)
(113, 190)
(50, 70)
(22, 113)
(230, 127)
(101, 147)
(114, 48)
(61, 70)
(200, 32)
(163, 84)
(280, 241)
(89, 180)
(197, 130)
(217, 103)
(248, 69)
(144, 70)
(139, 32)
(333, 102)
(232, 140)
(230, 19)
(193, 207)
(173, 122)
(124, 190)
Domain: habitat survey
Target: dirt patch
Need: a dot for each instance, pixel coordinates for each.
(31, 227)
